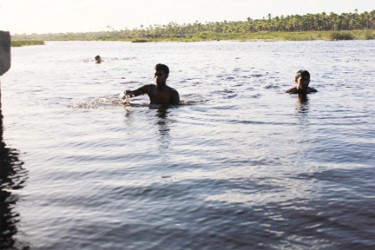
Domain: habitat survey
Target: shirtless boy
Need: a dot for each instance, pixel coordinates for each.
(160, 93)
(302, 80)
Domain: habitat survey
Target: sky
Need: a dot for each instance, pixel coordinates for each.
(55, 16)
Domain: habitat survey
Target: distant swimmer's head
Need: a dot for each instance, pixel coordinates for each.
(161, 74)
(98, 59)
(302, 79)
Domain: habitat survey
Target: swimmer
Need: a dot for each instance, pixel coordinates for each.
(160, 93)
(302, 80)
(98, 59)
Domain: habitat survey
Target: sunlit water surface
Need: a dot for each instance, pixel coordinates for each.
(241, 165)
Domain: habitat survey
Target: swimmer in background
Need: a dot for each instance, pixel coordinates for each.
(160, 93)
(302, 80)
(98, 59)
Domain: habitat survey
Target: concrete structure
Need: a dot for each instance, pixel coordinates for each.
(4, 66)
(4, 52)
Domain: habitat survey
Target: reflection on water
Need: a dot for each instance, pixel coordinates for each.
(12, 177)
(303, 103)
(164, 129)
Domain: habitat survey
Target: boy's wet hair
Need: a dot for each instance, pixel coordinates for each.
(302, 73)
(162, 67)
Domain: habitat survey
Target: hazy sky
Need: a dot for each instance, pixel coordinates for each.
(52, 16)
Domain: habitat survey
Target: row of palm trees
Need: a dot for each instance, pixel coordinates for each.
(289, 23)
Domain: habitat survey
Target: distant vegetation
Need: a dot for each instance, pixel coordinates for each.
(20, 43)
(346, 26)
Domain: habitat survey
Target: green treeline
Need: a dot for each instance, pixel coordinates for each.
(321, 26)
(20, 43)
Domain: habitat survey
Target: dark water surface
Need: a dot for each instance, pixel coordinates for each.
(240, 166)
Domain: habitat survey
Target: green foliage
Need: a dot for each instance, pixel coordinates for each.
(294, 27)
(341, 36)
(20, 43)
(140, 40)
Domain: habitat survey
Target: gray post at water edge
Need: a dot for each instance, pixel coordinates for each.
(4, 62)
(4, 52)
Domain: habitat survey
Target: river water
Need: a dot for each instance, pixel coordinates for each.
(240, 165)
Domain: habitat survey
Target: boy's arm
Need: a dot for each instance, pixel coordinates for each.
(141, 91)
(175, 97)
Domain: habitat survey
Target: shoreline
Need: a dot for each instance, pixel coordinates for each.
(19, 41)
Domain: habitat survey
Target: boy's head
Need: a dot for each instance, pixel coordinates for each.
(304, 74)
(161, 74)
(162, 67)
(302, 80)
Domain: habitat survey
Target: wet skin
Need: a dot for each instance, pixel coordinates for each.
(159, 93)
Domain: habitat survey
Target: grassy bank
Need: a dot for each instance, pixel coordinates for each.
(20, 43)
(270, 36)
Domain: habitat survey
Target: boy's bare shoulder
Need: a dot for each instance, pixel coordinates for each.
(172, 90)
(292, 90)
(312, 90)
